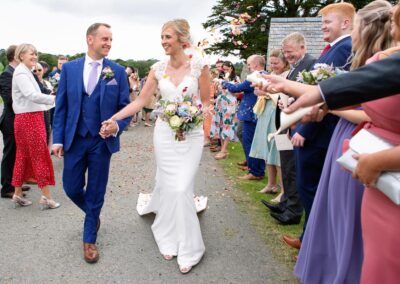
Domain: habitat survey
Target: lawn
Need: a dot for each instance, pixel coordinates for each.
(246, 195)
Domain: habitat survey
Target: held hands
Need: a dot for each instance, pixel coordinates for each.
(109, 127)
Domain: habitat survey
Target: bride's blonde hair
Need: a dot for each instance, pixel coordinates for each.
(181, 28)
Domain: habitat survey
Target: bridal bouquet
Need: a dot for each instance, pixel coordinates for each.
(320, 73)
(182, 116)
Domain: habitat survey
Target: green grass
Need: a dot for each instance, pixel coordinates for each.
(246, 195)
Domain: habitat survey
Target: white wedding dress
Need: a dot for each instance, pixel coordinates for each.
(176, 227)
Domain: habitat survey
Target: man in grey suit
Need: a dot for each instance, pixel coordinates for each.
(7, 126)
(290, 209)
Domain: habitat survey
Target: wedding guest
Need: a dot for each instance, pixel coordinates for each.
(379, 215)
(134, 89)
(290, 209)
(225, 120)
(331, 236)
(219, 65)
(45, 66)
(262, 148)
(32, 157)
(45, 88)
(256, 166)
(148, 109)
(311, 140)
(210, 113)
(56, 73)
(7, 125)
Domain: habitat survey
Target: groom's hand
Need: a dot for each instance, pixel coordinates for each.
(58, 151)
(108, 128)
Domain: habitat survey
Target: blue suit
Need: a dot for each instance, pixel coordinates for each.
(310, 158)
(77, 122)
(245, 113)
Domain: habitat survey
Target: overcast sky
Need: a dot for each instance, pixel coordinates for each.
(59, 26)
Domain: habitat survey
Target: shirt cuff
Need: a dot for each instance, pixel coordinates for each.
(56, 144)
(116, 133)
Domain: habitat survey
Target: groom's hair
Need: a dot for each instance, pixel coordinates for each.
(94, 27)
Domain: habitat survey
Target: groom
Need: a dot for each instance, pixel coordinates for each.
(91, 89)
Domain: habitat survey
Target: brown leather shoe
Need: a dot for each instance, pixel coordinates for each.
(292, 242)
(90, 253)
(250, 177)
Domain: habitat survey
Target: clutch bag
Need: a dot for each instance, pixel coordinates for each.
(365, 142)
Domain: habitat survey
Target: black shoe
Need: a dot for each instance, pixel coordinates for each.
(277, 208)
(25, 188)
(286, 218)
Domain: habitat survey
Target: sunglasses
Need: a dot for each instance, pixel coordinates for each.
(37, 70)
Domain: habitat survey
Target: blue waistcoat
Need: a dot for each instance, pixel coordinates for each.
(90, 119)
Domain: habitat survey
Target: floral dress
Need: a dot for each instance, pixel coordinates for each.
(225, 120)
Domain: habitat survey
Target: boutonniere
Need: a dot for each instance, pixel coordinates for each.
(107, 73)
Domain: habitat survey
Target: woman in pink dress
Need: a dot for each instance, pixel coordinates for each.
(380, 217)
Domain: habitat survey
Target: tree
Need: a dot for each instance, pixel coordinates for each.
(243, 25)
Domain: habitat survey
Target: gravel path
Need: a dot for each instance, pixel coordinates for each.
(46, 246)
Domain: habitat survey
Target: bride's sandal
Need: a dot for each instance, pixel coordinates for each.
(185, 270)
(168, 257)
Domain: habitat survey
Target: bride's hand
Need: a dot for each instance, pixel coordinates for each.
(108, 128)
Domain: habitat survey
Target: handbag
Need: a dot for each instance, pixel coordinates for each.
(365, 142)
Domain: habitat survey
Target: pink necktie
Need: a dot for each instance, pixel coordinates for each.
(92, 77)
(325, 49)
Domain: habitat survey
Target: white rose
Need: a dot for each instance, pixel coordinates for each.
(175, 121)
(193, 110)
(170, 109)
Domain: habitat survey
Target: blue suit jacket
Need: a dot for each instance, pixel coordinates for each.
(245, 111)
(319, 133)
(113, 97)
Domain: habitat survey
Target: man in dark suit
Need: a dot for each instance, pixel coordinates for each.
(7, 126)
(290, 209)
(311, 140)
(91, 89)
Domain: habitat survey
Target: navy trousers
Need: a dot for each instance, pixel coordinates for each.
(256, 166)
(309, 163)
(92, 155)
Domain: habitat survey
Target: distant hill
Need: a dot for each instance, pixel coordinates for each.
(142, 65)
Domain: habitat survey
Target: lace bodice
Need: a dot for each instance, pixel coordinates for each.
(188, 86)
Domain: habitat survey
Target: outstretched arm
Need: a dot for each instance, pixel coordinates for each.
(148, 90)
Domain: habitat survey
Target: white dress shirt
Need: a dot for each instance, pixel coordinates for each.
(87, 67)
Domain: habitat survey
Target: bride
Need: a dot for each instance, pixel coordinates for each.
(176, 227)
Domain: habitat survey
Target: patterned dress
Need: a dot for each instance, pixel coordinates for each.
(32, 161)
(225, 120)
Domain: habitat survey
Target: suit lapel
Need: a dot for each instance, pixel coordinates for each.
(79, 79)
(102, 82)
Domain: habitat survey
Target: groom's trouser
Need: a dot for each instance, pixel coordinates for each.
(92, 155)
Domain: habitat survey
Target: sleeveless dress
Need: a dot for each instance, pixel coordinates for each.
(176, 228)
(380, 217)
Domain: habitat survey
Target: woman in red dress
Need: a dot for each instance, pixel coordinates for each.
(32, 160)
